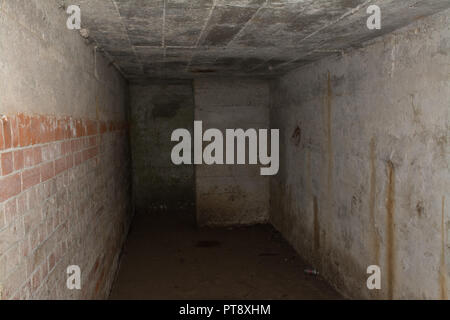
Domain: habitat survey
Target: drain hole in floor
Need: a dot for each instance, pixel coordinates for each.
(207, 244)
(268, 254)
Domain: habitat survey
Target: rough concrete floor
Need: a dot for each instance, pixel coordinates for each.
(168, 257)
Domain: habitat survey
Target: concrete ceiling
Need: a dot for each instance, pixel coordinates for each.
(188, 38)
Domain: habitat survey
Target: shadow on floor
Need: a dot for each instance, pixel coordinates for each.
(167, 257)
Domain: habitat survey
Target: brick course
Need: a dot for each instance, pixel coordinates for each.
(64, 199)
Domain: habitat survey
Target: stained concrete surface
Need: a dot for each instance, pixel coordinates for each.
(191, 38)
(232, 194)
(364, 158)
(168, 257)
(157, 109)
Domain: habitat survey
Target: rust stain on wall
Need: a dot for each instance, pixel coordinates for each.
(308, 174)
(316, 225)
(97, 108)
(329, 133)
(373, 188)
(443, 268)
(390, 229)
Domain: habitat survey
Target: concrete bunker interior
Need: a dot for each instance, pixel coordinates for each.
(86, 176)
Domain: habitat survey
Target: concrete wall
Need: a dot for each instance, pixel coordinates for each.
(364, 171)
(231, 194)
(156, 111)
(64, 181)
